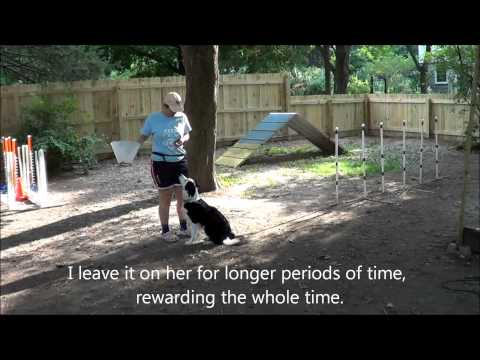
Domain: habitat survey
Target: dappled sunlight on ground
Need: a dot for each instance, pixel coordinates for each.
(286, 216)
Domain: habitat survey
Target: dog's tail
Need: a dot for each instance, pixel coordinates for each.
(231, 240)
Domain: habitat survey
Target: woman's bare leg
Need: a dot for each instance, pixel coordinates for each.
(179, 197)
(164, 205)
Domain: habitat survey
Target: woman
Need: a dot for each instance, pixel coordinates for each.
(170, 130)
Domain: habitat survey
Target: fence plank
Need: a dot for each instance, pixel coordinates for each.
(117, 108)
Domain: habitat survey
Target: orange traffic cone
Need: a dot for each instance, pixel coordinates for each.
(19, 193)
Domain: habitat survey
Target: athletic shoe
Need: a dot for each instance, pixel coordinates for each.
(168, 237)
(198, 241)
(183, 233)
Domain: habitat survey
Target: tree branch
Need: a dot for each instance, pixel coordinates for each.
(415, 60)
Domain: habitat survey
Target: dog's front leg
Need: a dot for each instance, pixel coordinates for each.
(195, 232)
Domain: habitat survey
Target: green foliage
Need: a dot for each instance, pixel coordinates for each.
(307, 80)
(50, 124)
(129, 61)
(459, 59)
(262, 58)
(358, 86)
(48, 63)
(390, 62)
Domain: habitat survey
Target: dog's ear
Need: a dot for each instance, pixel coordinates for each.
(190, 188)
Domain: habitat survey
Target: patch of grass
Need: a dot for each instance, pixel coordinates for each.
(227, 180)
(248, 193)
(271, 150)
(347, 167)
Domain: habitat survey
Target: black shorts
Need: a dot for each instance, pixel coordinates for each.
(165, 174)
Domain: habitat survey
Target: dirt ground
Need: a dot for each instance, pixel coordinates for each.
(109, 219)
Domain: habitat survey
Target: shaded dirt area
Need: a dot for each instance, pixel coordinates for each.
(108, 219)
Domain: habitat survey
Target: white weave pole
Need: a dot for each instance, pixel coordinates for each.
(43, 168)
(421, 152)
(336, 163)
(26, 167)
(37, 172)
(20, 165)
(381, 157)
(363, 162)
(436, 147)
(403, 155)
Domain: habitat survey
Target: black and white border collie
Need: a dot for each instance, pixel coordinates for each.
(200, 215)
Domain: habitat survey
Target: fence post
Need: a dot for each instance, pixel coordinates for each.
(366, 113)
(122, 116)
(329, 113)
(286, 84)
(115, 114)
(428, 116)
(286, 89)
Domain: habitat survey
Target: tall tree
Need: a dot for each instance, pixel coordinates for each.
(342, 62)
(422, 67)
(474, 117)
(328, 66)
(201, 72)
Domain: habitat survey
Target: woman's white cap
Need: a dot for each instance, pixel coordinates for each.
(174, 101)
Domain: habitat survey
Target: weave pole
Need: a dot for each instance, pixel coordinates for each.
(421, 152)
(336, 163)
(43, 176)
(381, 157)
(26, 167)
(436, 147)
(10, 173)
(31, 164)
(403, 155)
(363, 162)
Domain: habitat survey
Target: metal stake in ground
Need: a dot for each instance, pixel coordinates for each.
(381, 157)
(403, 155)
(421, 152)
(336, 163)
(436, 147)
(363, 162)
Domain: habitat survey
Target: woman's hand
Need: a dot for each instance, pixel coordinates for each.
(182, 140)
(179, 142)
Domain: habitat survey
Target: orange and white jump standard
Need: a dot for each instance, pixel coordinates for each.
(25, 173)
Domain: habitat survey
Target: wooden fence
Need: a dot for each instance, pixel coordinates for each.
(117, 109)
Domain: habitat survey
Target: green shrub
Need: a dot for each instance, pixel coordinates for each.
(50, 124)
(307, 81)
(358, 86)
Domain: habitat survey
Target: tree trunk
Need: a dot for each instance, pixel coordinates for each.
(421, 67)
(327, 65)
(385, 85)
(371, 84)
(342, 61)
(201, 71)
(181, 67)
(468, 143)
(424, 72)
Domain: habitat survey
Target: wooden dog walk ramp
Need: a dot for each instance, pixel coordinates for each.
(264, 131)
